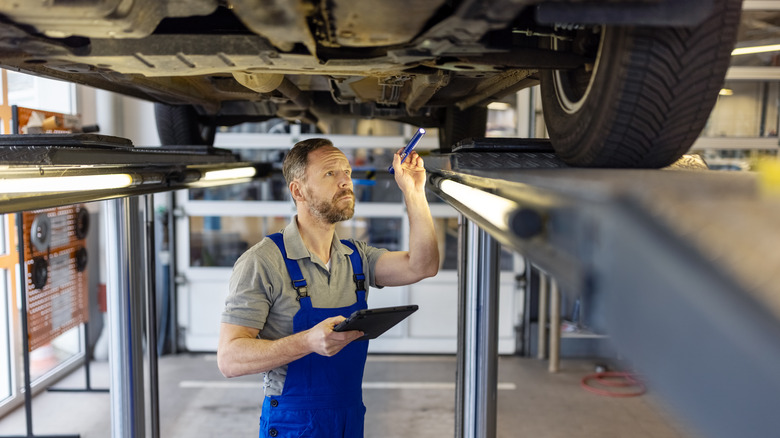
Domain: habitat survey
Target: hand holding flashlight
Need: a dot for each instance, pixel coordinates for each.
(409, 148)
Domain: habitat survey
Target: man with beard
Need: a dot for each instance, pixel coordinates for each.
(290, 290)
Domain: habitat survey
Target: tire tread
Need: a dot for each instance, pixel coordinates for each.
(670, 82)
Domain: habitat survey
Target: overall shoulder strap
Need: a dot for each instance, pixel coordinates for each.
(298, 282)
(357, 266)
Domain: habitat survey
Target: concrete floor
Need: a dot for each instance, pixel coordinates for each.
(405, 396)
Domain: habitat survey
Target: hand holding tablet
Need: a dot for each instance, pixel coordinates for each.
(374, 322)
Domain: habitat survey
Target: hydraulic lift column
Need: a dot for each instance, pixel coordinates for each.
(126, 283)
(477, 367)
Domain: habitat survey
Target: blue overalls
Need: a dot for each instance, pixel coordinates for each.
(322, 396)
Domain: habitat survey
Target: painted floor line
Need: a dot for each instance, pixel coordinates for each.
(203, 384)
(384, 358)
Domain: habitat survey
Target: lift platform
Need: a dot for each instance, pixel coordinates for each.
(685, 260)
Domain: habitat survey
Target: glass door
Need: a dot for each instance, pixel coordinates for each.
(8, 263)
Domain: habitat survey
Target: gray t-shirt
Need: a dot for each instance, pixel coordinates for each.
(261, 294)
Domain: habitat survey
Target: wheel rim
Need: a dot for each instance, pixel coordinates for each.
(572, 87)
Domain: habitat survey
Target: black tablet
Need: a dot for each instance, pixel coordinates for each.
(374, 322)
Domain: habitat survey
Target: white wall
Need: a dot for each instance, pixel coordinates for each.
(138, 122)
(117, 115)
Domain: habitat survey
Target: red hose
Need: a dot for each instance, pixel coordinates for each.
(627, 384)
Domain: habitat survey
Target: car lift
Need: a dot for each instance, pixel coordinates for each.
(34, 173)
(685, 261)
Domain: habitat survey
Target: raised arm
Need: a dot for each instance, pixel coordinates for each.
(240, 352)
(399, 268)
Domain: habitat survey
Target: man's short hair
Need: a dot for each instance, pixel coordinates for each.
(294, 166)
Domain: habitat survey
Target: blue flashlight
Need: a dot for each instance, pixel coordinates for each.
(409, 147)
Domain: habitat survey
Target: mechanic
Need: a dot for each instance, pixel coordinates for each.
(312, 374)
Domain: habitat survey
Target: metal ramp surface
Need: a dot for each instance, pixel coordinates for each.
(686, 261)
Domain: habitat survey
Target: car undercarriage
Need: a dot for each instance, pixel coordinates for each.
(431, 64)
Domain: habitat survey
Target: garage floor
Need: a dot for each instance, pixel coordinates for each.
(405, 396)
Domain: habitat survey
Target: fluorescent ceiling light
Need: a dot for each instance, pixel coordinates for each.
(238, 172)
(57, 184)
(492, 208)
(756, 49)
(499, 106)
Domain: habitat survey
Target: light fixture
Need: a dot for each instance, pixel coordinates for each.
(494, 209)
(756, 49)
(59, 184)
(48, 171)
(235, 173)
(726, 92)
(499, 106)
(506, 215)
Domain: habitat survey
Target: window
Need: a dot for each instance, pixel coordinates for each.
(47, 362)
(8, 264)
(272, 188)
(381, 232)
(218, 241)
(40, 93)
(745, 109)
(5, 340)
(3, 236)
(48, 359)
(758, 28)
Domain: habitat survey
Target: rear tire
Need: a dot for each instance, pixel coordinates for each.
(648, 96)
(462, 124)
(181, 125)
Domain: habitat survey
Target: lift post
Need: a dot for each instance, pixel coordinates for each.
(126, 286)
(684, 260)
(477, 360)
